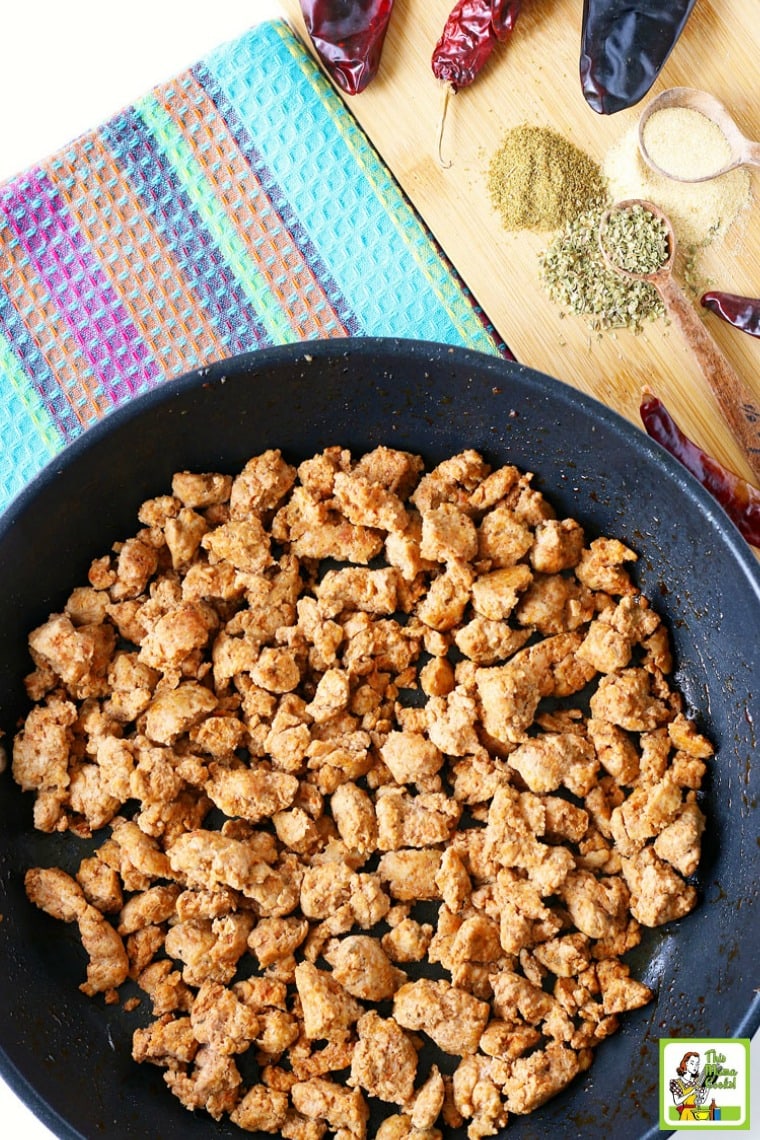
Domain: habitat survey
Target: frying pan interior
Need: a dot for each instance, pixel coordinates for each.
(69, 1056)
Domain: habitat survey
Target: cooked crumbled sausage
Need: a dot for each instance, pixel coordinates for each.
(60, 896)
(328, 1009)
(201, 491)
(360, 965)
(338, 718)
(345, 1111)
(384, 1062)
(261, 1110)
(453, 1018)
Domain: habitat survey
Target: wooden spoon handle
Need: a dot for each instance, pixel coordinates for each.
(751, 152)
(736, 401)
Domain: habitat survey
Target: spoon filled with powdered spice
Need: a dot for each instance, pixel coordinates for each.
(689, 136)
(638, 242)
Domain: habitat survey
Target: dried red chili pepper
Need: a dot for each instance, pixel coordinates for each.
(348, 36)
(739, 499)
(741, 312)
(470, 34)
(624, 46)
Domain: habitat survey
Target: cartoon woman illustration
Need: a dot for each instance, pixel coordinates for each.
(688, 1090)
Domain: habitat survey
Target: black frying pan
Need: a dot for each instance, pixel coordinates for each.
(68, 1056)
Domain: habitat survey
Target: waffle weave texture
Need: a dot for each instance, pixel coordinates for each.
(239, 205)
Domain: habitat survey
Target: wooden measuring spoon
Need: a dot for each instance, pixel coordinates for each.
(742, 151)
(736, 401)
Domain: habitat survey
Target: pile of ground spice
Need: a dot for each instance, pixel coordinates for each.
(700, 212)
(538, 180)
(684, 143)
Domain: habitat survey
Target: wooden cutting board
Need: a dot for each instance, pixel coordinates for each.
(534, 78)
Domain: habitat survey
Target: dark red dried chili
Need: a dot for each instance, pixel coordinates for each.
(470, 34)
(741, 312)
(739, 499)
(624, 46)
(348, 36)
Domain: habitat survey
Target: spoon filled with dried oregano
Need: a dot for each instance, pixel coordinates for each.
(637, 241)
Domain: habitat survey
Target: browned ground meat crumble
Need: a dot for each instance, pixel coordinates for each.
(381, 757)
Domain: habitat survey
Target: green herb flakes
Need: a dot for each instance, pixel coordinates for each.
(575, 276)
(636, 240)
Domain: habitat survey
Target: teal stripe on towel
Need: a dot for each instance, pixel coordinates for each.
(282, 97)
(23, 418)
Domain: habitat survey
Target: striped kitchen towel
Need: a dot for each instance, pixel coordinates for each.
(238, 206)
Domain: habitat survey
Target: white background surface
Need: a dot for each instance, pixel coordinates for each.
(66, 67)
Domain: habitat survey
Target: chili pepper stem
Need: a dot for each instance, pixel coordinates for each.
(447, 92)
